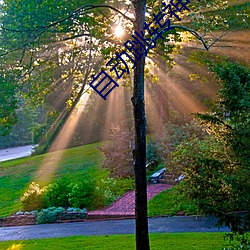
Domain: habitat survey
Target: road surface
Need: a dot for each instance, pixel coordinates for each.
(14, 153)
(156, 225)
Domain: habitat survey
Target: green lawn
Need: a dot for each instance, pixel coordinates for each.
(169, 202)
(172, 241)
(16, 175)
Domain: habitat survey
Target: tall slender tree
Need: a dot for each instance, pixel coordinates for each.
(139, 151)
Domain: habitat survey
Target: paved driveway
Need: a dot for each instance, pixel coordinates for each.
(156, 225)
(14, 153)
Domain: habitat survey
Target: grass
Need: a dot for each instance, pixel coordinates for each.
(16, 175)
(170, 241)
(169, 203)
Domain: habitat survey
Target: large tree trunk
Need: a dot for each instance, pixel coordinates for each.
(139, 152)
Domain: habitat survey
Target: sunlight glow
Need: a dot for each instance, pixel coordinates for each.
(52, 159)
(119, 31)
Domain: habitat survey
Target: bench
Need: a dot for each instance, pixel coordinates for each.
(155, 177)
(182, 176)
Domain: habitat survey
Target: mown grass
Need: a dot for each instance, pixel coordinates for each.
(76, 163)
(169, 203)
(16, 175)
(170, 241)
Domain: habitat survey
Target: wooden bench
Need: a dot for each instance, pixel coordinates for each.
(155, 177)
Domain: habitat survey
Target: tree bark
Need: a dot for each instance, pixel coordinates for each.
(139, 151)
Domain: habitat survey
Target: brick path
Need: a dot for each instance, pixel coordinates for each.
(124, 207)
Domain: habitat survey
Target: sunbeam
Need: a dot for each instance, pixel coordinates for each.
(61, 142)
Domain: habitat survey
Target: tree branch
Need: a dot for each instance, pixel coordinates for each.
(195, 34)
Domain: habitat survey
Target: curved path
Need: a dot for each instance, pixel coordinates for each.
(125, 206)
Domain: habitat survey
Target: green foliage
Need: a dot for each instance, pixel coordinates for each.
(216, 168)
(118, 153)
(32, 198)
(38, 131)
(8, 105)
(205, 175)
(242, 241)
(108, 190)
(21, 132)
(89, 193)
(152, 156)
(231, 123)
(48, 215)
(103, 193)
(236, 17)
(81, 194)
(56, 194)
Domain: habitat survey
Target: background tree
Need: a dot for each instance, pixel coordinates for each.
(8, 104)
(118, 156)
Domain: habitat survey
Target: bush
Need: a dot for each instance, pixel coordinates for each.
(57, 193)
(33, 198)
(243, 242)
(48, 215)
(78, 210)
(81, 194)
(103, 194)
(109, 189)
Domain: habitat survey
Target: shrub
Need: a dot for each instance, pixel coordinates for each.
(73, 209)
(81, 194)
(243, 242)
(103, 194)
(57, 193)
(48, 215)
(123, 185)
(33, 197)
(109, 189)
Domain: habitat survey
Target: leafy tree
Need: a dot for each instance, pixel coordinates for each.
(118, 156)
(8, 105)
(217, 168)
